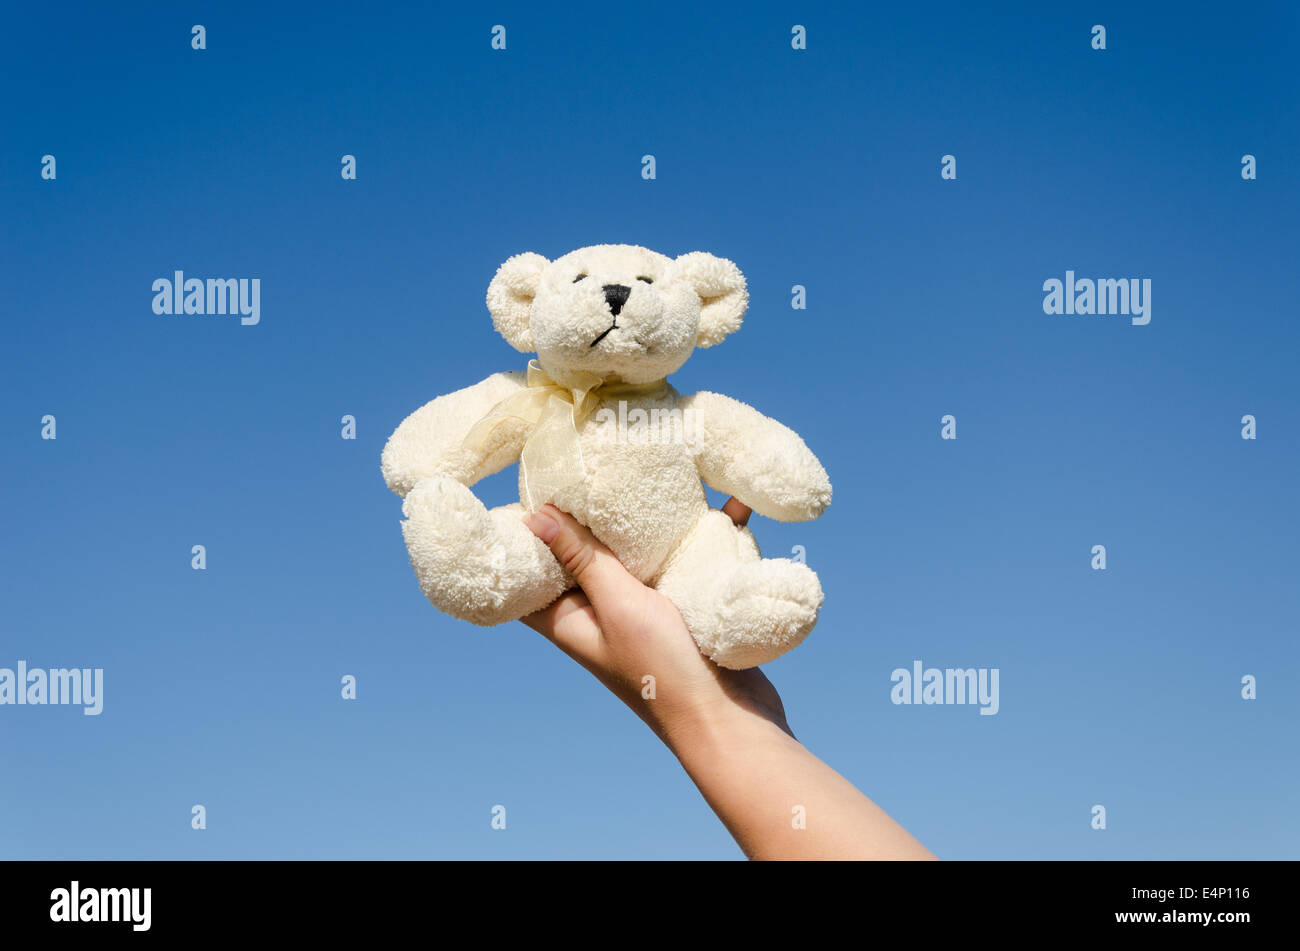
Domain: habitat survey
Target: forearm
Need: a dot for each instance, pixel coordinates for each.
(777, 799)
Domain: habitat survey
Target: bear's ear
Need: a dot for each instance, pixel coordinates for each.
(721, 287)
(510, 298)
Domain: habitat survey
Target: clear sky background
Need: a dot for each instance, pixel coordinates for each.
(822, 168)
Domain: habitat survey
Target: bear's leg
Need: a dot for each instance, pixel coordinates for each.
(743, 610)
(473, 563)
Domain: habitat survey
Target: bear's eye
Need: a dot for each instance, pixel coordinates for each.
(579, 278)
(646, 279)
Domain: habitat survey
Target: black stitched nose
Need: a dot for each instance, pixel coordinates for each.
(616, 296)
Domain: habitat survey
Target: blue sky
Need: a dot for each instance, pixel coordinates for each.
(821, 167)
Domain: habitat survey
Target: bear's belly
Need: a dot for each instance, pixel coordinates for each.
(641, 496)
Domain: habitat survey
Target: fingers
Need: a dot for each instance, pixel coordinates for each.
(550, 617)
(738, 511)
(593, 566)
(570, 623)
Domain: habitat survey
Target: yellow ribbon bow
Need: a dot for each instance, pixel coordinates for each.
(552, 455)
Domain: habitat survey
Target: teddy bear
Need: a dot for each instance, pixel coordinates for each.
(599, 432)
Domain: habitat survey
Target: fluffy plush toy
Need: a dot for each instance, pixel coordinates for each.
(598, 432)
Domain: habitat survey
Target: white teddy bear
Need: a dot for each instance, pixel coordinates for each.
(599, 432)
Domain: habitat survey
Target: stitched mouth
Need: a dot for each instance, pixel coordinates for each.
(613, 326)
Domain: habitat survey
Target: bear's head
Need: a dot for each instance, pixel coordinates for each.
(624, 313)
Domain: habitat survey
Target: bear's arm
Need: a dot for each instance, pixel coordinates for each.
(428, 442)
(765, 465)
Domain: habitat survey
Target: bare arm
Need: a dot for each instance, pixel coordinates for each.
(777, 799)
(428, 442)
(726, 727)
(760, 462)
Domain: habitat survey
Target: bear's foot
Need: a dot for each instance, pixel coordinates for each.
(476, 564)
(765, 608)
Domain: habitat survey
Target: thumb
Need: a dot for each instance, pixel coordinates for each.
(600, 575)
